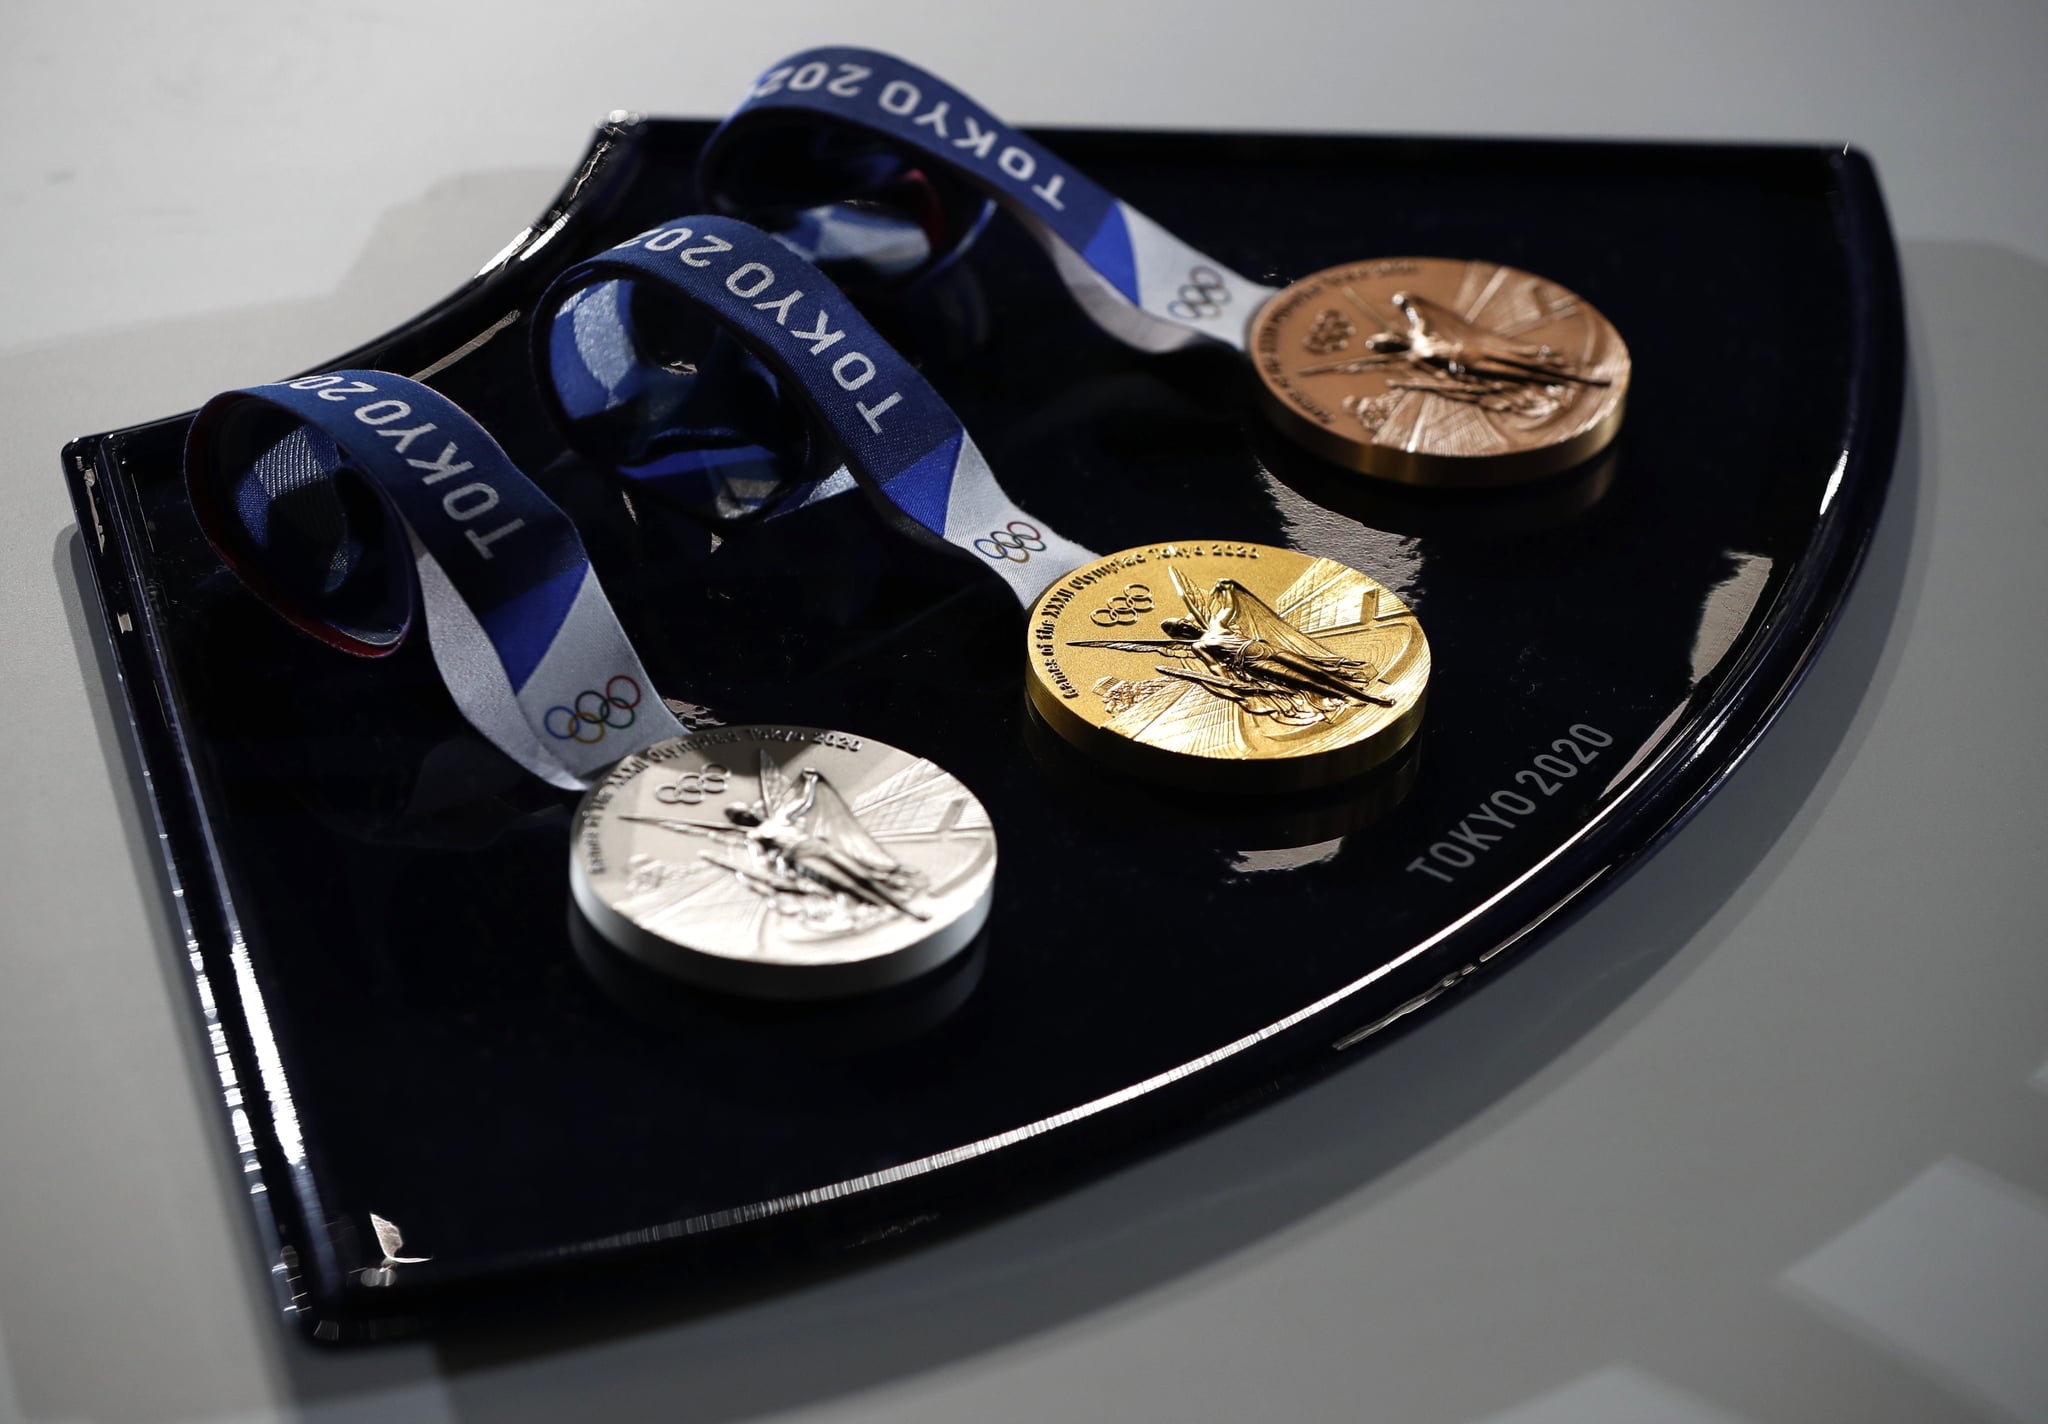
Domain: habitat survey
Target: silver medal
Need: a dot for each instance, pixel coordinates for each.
(783, 862)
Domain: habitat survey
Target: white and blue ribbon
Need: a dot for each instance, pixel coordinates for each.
(705, 427)
(301, 487)
(897, 435)
(1138, 281)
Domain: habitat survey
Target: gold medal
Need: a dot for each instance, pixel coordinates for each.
(1228, 666)
(1434, 371)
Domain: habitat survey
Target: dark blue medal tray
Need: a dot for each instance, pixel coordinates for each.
(376, 901)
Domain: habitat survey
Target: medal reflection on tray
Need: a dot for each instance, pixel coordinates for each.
(822, 864)
(1421, 370)
(1275, 671)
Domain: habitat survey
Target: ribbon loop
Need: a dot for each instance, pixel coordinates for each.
(303, 488)
(896, 433)
(1138, 281)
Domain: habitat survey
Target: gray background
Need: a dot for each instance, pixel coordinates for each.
(1763, 1137)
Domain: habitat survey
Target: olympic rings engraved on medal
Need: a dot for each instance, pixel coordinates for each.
(1121, 610)
(1201, 297)
(1331, 333)
(1014, 543)
(598, 711)
(692, 787)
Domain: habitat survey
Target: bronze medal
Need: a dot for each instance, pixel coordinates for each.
(1435, 371)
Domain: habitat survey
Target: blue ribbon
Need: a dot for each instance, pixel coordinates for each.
(352, 501)
(896, 433)
(1137, 280)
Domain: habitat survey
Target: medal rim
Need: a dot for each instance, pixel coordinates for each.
(762, 979)
(1423, 468)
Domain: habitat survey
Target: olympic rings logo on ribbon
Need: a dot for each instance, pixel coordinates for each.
(598, 711)
(1121, 610)
(692, 787)
(1202, 296)
(1015, 543)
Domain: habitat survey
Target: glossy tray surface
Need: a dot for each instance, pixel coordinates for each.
(377, 900)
